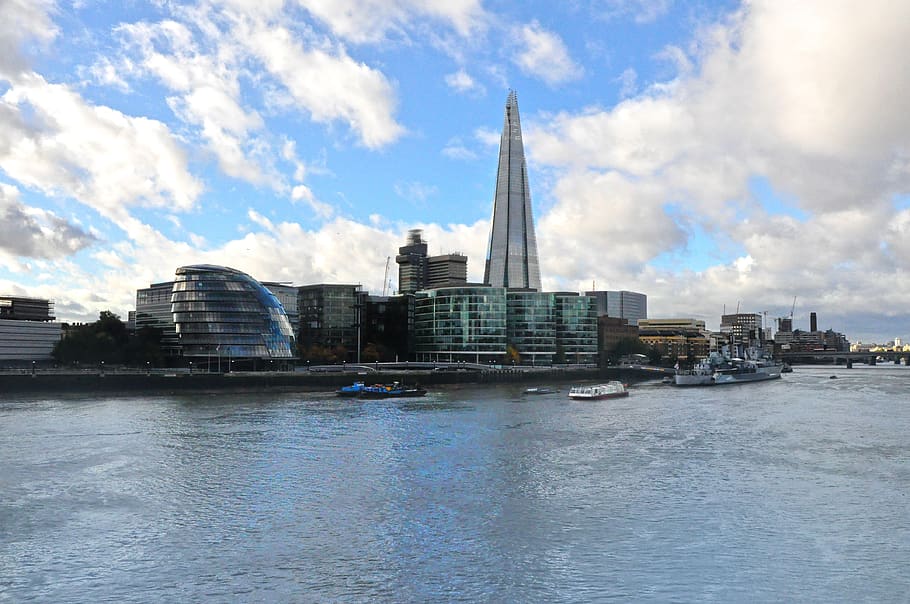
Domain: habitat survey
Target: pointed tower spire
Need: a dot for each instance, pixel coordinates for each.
(512, 254)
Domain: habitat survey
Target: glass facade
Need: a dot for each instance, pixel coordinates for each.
(460, 324)
(512, 254)
(576, 328)
(153, 309)
(622, 304)
(330, 317)
(220, 311)
(531, 325)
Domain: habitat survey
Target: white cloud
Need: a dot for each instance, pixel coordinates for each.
(811, 98)
(415, 191)
(462, 82)
(455, 149)
(628, 81)
(21, 22)
(369, 21)
(55, 142)
(543, 54)
(642, 11)
(327, 83)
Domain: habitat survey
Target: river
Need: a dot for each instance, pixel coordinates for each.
(793, 490)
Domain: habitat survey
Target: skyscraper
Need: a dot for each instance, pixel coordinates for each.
(512, 255)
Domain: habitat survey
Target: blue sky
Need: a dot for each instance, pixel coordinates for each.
(706, 154)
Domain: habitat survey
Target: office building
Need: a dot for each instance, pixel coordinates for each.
(153, 310)
(446, 270)
(412, 263)
(531, 326)
(28, 332)
(610, 332)
(744, 328)
(222, 313)
(417, 270)
(463, 323)
(622, 304)
(576, 328)
(682, 341)
(330, 321)
(387, 333)
(512, 253)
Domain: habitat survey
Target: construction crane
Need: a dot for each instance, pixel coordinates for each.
(793, 308)
(385, 278)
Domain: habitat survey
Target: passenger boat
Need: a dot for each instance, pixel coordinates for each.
(611, 389)
(393, 390)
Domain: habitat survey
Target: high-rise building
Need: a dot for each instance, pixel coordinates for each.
(412, 263)
(417, 271)
(745, 328)
(512, 254)
(447, 269)
(622, 304)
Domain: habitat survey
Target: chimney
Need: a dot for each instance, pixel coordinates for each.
(813, 322)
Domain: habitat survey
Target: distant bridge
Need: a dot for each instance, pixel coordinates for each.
(842, 358)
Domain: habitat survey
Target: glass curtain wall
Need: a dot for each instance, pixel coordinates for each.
(224, 313)
(576, 328)
(460, 324)
(531, 326)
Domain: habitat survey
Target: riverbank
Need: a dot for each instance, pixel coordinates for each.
(296, 381)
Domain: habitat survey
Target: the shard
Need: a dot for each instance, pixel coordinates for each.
(512, 254)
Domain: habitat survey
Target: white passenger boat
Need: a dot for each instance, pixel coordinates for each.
(612, 389)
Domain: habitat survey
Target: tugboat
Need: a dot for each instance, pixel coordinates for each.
(353, 390)
(393, 390)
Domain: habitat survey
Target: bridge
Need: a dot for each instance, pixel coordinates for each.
(844, 358)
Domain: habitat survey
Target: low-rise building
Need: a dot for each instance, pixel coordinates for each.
(28, 331)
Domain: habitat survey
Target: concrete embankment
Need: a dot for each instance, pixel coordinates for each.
(164, 383)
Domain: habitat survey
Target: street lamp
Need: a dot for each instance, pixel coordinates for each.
(102, 368)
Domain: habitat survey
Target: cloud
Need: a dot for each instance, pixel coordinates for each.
(811, 98)
(414, 191)
(463, 83)
(543, 54)
(642, 11)
(455, 149)
(55, 142)
(325, 82)
(21, 22)
(36, 233)
(371, 21)
(628, 81)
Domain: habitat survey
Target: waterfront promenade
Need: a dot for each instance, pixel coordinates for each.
(316, 379)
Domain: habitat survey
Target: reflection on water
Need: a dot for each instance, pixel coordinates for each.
(788, 490)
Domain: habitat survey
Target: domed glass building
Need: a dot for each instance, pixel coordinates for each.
(220, 311)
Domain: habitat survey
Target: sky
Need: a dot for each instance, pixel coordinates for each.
(713, 155)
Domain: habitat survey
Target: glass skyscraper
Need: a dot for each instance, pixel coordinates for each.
(512, 254)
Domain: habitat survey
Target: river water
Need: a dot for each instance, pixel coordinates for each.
(792, 490)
